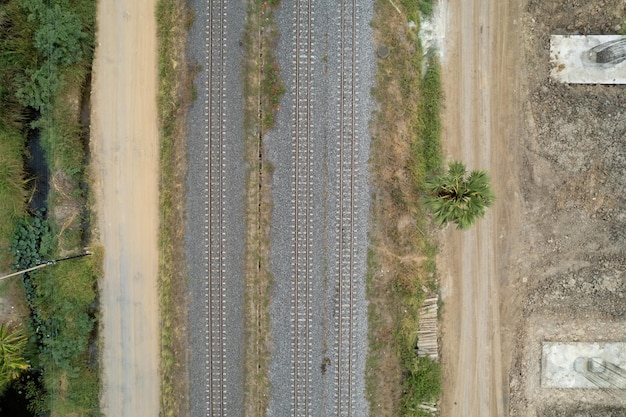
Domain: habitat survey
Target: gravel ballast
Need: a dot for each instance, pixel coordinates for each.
(325, 226)
(233, 230)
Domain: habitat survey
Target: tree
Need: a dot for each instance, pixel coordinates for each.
(12, 361)
(457, 197)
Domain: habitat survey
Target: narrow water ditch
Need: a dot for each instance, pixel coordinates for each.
(36, 166)
(85, 124)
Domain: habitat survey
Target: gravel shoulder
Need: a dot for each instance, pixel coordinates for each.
(124, 150)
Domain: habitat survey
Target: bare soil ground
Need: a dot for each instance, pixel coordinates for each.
(13, 308)
(125, 146)
(571, 279)
(547, 262)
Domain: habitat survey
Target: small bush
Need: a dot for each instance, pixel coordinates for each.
(31, 241)
(422, 384)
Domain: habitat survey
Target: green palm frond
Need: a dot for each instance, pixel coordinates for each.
(457, 197)
(12, 361)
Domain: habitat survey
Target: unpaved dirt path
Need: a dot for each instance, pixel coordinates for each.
(481, 119)
(125, 161)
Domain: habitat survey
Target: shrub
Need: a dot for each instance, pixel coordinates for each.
(31, 241)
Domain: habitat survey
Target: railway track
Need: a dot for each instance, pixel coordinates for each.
(301, 309)
(216, 395)
(347, 170)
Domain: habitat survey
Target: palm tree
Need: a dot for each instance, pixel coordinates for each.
(12, 361)
(456, 197)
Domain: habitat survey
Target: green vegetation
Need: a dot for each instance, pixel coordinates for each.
(12, 360)
(422, 384)
(426, 146)
(174, 96)
(406, 150)
(31, 241)
(61, 300)
(415, 7)
(426, 7)
(12, 188)
(457, 197)
(62, 37)
(16, 51)
(45, 59)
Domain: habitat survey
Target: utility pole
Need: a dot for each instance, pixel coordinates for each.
(43, 264)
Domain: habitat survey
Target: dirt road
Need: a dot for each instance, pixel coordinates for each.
(481, 118)
(125, 160)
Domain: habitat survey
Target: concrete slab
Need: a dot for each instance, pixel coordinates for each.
(573, 59)
(583, 365)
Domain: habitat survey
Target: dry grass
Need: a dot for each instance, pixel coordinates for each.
(66, 211)
(262, 91)
(174, 97)
(401, 258)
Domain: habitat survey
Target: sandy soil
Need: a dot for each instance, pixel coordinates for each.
(125, 166)
(482, 94)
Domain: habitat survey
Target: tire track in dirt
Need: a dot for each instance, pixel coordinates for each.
(479, 81)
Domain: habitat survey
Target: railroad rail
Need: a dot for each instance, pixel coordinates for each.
(348, 171)
(216, 395)
(301, 309)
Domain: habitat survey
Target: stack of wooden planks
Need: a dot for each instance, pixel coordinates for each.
(427, 343)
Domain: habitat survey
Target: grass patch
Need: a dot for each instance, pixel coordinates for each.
(401, 262)
(263, 90)
(175, 94)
